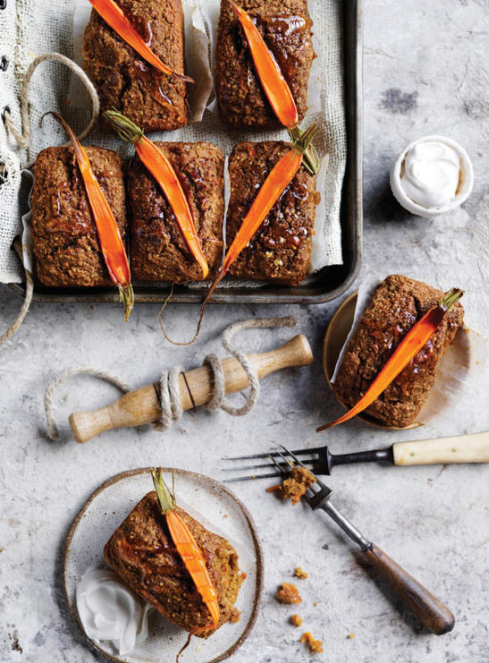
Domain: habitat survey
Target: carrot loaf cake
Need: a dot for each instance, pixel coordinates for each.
(281, 248)
(286, 28)
(66, 245)
(158, 249)
(124, 80)
(142, 553)
(398, 303)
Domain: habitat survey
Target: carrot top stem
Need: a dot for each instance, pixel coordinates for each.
(311, 159)
(166, 497)
(126, 128)
(451, 297)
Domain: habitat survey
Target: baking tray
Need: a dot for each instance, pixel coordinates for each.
(325, 285)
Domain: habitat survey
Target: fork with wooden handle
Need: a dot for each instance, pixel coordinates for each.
(434, 615)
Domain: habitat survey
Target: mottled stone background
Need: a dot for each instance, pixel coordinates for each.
(426, 71)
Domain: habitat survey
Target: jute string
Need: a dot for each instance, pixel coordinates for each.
(170, 401)
(23, 138)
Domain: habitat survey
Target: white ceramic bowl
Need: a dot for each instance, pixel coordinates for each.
(464, 190)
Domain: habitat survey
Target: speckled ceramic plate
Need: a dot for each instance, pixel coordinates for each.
(456, 372)
(217, 509)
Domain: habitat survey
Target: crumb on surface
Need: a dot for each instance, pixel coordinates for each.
(296, 620)
(350, 636)
(288, 594)
(296, 484)
(315, 604)
(315, 646)
(300, 573)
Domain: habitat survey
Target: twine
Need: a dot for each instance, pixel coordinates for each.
(170, 400)
(29, 290)
(23, 138)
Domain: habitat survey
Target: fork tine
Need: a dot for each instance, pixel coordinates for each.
(268, 475)
(241, 468)
(285, 459)
(280, 468)
(291, 453)
(298, 452)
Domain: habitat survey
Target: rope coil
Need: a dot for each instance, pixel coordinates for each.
(170, 401)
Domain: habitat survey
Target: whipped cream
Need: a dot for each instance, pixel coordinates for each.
(431, 176)
(110, 610)
(431, 173)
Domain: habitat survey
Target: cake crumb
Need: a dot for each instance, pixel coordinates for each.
(288, 594)
(296, 620)
(350, 636)
(299, 573)
(315, 646)
(315, 604)
(295, 485)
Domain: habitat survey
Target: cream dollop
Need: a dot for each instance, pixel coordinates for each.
(430, 174)
(110, 610)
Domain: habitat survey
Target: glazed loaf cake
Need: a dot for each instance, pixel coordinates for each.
(396, 306)
(286, 28)
(125, 81)
(66, 246)
(281, 248)
(142, 553)
(158, 249)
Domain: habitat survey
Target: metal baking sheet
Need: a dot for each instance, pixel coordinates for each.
(325, 285)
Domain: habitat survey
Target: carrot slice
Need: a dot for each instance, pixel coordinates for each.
(109, 235)
(163, 172)
(274, 84)
(187, 548)
(408, 348)
(118, 21)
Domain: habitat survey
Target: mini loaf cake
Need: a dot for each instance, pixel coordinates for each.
(66, 245)
(142, 553)
(286, 28)
(158, 249)
(281, 248)
(398, 303)
(124, 80)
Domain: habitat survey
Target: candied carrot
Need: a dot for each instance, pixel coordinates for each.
(408, 348)
(187, 548)
(163, 172)
(274, 84)
(113, 15)
(108, 231)
(275, 184)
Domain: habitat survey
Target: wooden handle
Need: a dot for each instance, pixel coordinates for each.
(196, 388)
(460, 449)
(428, 609)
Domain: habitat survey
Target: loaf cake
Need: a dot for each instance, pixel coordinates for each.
(286, 28)
(158, 249)
(281, 248)
(66, 245)
(398, 303)
(124, 80)
(142, 553)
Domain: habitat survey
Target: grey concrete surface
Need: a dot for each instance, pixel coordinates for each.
(426, 71)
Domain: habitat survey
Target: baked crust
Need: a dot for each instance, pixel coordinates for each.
(124, 80)
(281, 248)
(158, 249)
(66, 245)
(286, 28)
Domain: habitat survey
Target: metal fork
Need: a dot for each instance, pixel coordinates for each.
(430, 611)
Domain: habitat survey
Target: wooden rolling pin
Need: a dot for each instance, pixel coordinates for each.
(196, 388)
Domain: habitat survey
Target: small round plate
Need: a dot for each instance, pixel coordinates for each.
(460, 361)
(217, 509)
